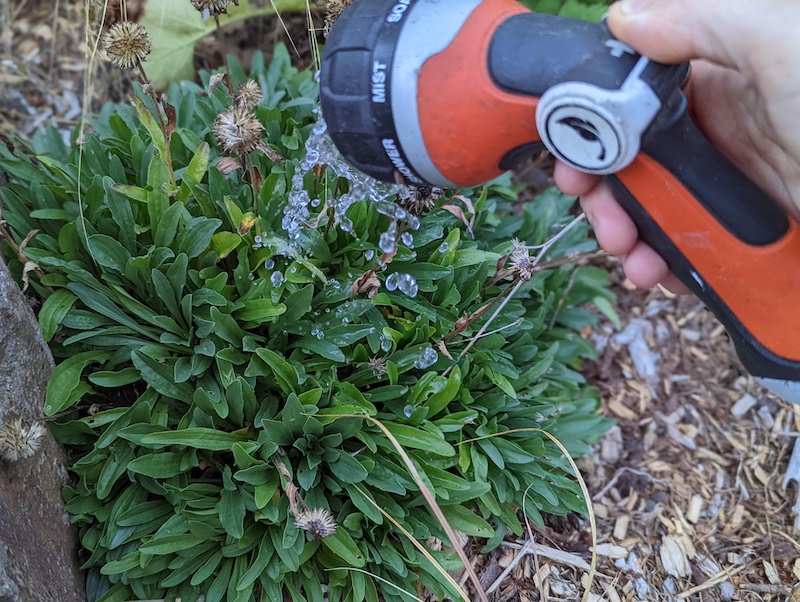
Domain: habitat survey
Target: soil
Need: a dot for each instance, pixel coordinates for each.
(691, 490)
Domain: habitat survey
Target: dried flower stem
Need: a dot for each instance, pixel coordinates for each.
(224, 48)
(545, 248)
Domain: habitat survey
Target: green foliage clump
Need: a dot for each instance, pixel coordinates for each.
(585, 10)
(194, 389)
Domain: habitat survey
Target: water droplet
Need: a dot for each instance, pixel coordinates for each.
(392, 282)
(258, 239)
(369, 255)
(252, 276)
(387, 242)
(444, 247)
(408, 410)
(317, 332)
(407, 285)
(277, 279)
(336, 285)
(386, 344)
(269, 264)
(316, 203)
(408, 239)
(426, 359)
(327, 310)
(345, 321)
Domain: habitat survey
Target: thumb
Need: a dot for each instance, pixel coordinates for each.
(726, 32)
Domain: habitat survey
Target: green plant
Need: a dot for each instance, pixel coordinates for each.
(586, 10)
(220, 389)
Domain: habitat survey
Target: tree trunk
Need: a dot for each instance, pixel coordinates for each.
(38, 547)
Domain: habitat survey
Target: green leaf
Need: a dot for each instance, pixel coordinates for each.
(133, 192)
(607, 309)
(63, 388)
(285, 373)
(259, 311)
(197, 236)
(322, 347)
(103, 305)
(298, 304)
(348, 470)
(161, 377)
(159, 465)
(109, 253)
(409, 436)
(198, 438)
(466, 521)
(341, 544)
(53, 311)
(231, 513)
(112, 380)
(120, 567)
(147, 119)
(170, 544)
(225, 243)
(439, 401)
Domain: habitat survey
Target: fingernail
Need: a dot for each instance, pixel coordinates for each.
(634, 7)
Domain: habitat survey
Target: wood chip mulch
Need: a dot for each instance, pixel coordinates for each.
(692, 490)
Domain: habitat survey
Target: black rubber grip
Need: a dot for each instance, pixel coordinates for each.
(530, 53)
(732, 198)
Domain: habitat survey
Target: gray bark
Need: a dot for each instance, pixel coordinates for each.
(38, 546)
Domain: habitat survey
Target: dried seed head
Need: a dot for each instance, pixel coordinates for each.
(127, 44)
(238, 131)
(214, 7)
(18, 441)
(248, 96)
(521, 261)
(377, 365)
(317, 521)
(334, 8)
(419, 199)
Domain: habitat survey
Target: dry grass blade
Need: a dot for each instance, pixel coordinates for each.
(286, 29)
(434, 506)
(376, 577)
(417, 545)
(584, 490)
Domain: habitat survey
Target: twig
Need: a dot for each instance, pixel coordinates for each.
(545, 248)
(599, 495)
(52, 66)
(483, 329)
(552, 553)
(720, 577)
(511, 565)
(224, 47)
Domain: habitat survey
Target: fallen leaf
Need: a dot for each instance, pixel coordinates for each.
(215, 81)
(771, 573)
(443, 348)
(273, 155)
(172, 120)
(228, 164)
(367, 283)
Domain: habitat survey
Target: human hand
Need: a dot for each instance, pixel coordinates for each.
(744, 95)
